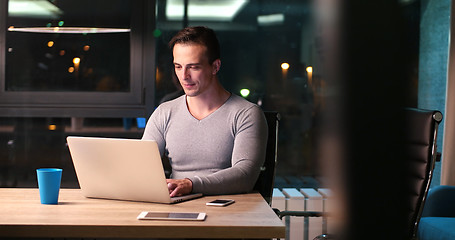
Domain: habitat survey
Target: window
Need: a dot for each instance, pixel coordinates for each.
(270, 51)
(75, 58)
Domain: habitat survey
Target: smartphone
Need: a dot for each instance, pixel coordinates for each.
(220, 202)
(171, 216)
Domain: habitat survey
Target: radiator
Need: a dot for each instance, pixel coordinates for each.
(303, 199)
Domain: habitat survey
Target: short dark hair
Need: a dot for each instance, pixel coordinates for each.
(198, 35)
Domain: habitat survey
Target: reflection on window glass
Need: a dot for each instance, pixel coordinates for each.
(68, 46)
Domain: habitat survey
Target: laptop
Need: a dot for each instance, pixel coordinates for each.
(121, 169)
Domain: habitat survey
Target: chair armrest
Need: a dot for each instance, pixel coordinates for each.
(282, 214)
(306, 214)
(438, 157)
(439, 202)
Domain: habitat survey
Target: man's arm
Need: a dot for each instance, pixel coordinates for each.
(155, 128)
(155, 131)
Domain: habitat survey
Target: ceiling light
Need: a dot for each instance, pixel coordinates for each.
(33, 9)
(80, 30)
(221, 10)
(272, 19)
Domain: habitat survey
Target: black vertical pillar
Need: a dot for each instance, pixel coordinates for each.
(373, 70)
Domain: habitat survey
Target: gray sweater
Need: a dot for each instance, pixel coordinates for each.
(220, 154)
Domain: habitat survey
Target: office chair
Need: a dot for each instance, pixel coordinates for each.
(421, 130)
(422, 152)
(264, 184)
(438, 216)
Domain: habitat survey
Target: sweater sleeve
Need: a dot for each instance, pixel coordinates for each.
(155, 128)
(248, 155)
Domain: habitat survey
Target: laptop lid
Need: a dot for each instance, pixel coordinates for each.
(122, 169)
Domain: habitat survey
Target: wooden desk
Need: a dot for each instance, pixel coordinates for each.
(22, 215)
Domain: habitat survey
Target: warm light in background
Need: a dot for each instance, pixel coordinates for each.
(71, 69)
(76, 60)
(62, 52)
(309, 71)
(52, 127)
(50, 43)
(285, 66)
(245, 92)
(86, 48)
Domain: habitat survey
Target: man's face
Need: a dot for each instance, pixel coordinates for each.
(193, 69)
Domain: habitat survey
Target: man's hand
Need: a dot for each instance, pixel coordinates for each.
(179, 187)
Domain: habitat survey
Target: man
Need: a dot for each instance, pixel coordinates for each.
(215, 141)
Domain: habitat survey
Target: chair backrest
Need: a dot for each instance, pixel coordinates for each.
(421, 151)
(264, 184)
